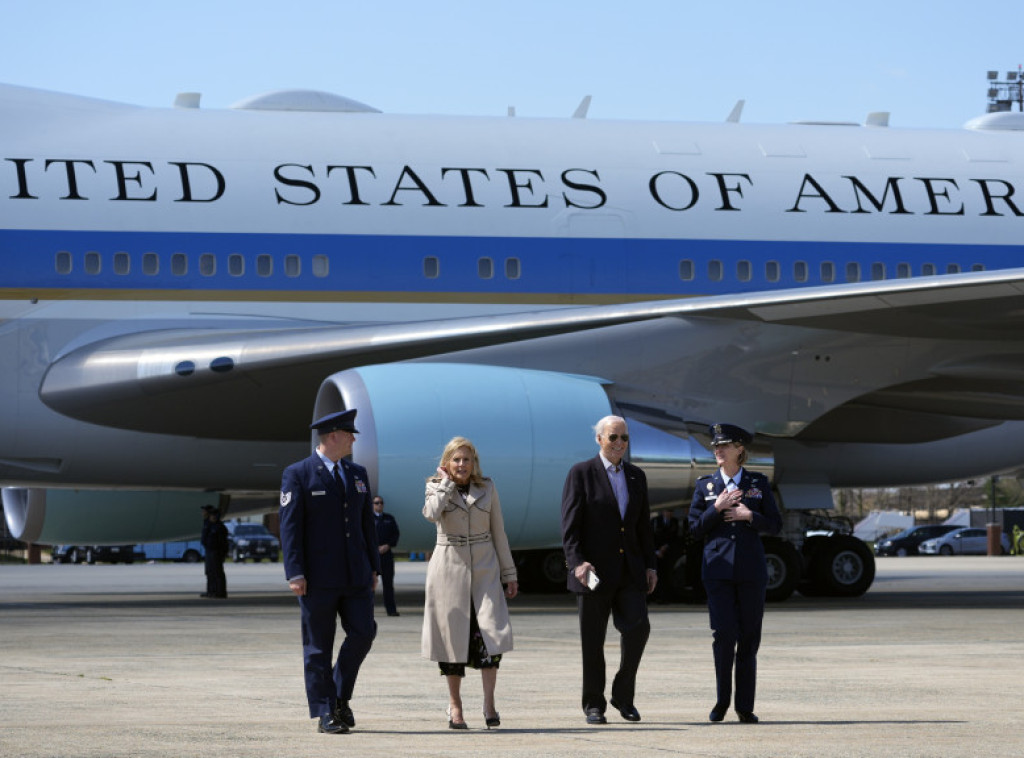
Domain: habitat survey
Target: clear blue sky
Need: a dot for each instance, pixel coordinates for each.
(642, 59)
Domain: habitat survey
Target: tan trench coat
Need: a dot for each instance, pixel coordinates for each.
(470, 561)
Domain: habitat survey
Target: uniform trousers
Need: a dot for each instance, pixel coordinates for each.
(320, 610)
(387, 578)
(627, 605)
(736, 610)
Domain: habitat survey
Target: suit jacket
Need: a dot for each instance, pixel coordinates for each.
(733, 550)
(664, 533)
(593, 530)
(387, 529)
(328, 536)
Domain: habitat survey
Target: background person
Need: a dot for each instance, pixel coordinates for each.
(387, 539)
(465, 618)
(606, 530)
(214, 540)
(730, 511)
(329, 544)
(665, 533)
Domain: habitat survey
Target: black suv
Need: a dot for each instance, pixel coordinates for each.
(906, 542)
(252, 541)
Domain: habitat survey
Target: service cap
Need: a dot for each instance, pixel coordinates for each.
(723, 434)
(333, 422)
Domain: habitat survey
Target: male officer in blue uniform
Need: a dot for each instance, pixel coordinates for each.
(331, 563)
(387, 539)
(730, 511)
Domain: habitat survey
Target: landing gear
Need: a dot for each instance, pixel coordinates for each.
(784, 568)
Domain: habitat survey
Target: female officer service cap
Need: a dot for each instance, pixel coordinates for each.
(723, 434)
(333, 422)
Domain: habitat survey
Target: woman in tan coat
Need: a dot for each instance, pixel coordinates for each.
(465, 620)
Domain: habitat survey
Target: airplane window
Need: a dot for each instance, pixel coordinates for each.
(321, 266)
(877, 271)
(236, 265)
(743, 271)
(63, 262)
(292, 266)
(207, 264)
(927, 269)
(431, 267)
(800, 271)
(485, 268)
(264, 265)
(179, 264)
(902, 270)
(772, 271)
(512, 268)
(150, 264)
(715, 271)
(953, 268)
(828, 271)
(853, 272)
(686, 271)
(92, 263)
(122, 263)
(977, 267)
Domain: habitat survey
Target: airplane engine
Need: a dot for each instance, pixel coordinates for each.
(112, 517)
(528, 426)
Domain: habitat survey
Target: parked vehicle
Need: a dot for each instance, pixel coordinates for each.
(909, 540)
(963, 541)
(189, 551)
(97, 554)
(252, 541)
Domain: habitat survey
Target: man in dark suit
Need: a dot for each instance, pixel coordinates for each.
(606, 533)
(331, 562)
(214, 540)
(387, 538)
(730, 511)
(665, 529)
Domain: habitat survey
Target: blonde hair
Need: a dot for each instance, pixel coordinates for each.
(476, 476)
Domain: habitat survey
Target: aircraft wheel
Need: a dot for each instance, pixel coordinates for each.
(784, 568)
(844, 566)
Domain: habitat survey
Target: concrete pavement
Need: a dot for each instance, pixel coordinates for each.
(129, 661)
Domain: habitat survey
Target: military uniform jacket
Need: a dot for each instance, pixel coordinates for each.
(387, 529)
(328, 536)
(593, 530)
(733, 550)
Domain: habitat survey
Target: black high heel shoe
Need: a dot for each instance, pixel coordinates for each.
(453, 724)
(492, 721)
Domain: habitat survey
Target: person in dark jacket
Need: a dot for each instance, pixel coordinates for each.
(387, 539)
(329, 544)
(730, 511)
(214, 540)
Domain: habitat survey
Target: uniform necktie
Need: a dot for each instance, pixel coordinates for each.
(337, 477)
(731, 485)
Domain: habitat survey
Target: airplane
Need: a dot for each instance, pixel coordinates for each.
(184, 289)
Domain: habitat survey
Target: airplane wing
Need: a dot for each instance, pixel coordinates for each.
(254, 384)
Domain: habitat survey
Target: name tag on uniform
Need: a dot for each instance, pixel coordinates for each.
(315, 493)
(711, 497)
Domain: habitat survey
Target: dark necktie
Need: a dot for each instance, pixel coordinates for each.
(730, 485)
(337, 477)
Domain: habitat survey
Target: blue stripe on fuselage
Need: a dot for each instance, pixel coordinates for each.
(395, 263)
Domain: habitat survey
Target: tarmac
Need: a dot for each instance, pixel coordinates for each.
(112, 661)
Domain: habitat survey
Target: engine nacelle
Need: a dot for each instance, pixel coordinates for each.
(529, 427)
(111, 517)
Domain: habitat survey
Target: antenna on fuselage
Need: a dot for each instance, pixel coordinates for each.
(582, 108)
(737, 110)
(187, 99)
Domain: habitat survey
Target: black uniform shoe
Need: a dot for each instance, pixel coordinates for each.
(718, 712)
(594, 716)
(394, 613)
(330, 725)
(747, 717)
(629, 712)
(343, 714)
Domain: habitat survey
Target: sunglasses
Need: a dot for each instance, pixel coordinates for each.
(613, 437)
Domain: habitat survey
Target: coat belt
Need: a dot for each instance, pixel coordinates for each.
(459, 540)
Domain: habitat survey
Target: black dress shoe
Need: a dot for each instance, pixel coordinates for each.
(330, 725)
(718, 712)
(594, 716)
(747, 717)
(394, 613)
(452, 724)
(629, 712)
(344, 714)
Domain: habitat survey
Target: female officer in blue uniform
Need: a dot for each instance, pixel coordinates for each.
(730, 511)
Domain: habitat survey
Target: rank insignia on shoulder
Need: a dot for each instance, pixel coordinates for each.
(286, 497)
(360, 485)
